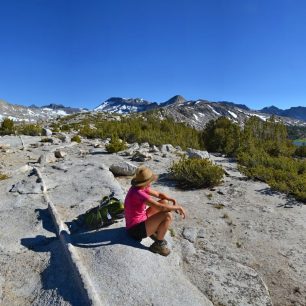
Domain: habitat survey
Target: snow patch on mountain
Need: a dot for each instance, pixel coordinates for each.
(232, 114)
(214, 111)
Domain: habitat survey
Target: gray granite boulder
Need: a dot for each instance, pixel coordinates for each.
(123, 168)
(130, 151)
(46, 158)
(46, 132)
(59, 154)
(145, 146)
(141, 156)
(166, 148)
(190, 233)
(197, 153)
(64, 137)
(154, 149)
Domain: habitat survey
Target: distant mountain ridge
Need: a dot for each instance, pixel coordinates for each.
(34, 113)
(195, 113)
(178, 103)
(298, 112)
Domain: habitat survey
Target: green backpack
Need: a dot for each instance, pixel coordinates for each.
(110, 208)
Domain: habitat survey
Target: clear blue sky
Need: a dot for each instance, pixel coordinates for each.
(81, 52)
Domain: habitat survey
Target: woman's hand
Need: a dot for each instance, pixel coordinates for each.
(172, 200)
(164, 196)
(180, 210)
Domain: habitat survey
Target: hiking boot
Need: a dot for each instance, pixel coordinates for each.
(154, 237)
(160, 247)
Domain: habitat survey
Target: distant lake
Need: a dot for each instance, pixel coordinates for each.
(299, 142)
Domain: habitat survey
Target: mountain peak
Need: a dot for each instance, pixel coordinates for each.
(53, 106)
(273, 110)
(178, 99)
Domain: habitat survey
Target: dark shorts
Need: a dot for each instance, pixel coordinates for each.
(138, 231)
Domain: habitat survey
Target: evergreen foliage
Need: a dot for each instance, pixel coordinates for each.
(221, 135)
(46, 139)
(269, 135)
(3, 176)
(281, 173)
(76, 138)
(29, 129)
(295, 132)
(196, 173)
(137, 128)
(7, 127)
(115, 145)
(263, 151)
(301, 151)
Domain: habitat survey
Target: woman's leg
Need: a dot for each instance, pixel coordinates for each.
(152, 210)
(158, 223)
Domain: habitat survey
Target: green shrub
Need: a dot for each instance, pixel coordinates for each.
(30, 129)
(146, 127)
(76, 138)
(46, 139)
(221, 135)
(282, 173)
(196, 173)
(3, 176)
(7, 127)
(115, 145)
(301, 151)
(55, 127)
(65, 128)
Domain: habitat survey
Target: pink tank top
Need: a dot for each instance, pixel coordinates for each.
(135, 206)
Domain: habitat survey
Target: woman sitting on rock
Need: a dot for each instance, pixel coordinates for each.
(153, 221)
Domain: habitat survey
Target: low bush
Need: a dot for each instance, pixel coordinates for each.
(301, 151)
(76, 138)
(7, 127)
(46, 139)
(196, 173)
(115, 145)
(30, 129)
(282, 173)
(3, 176)
(137, 128)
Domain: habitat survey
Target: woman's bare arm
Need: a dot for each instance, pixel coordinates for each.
(165, 207)
(161, 195)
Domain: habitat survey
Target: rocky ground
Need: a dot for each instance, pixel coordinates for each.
(241, 243)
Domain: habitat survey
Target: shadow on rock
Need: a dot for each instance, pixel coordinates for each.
(270, 192)
(43, 215)
(164, 179)
(105, 237)
(57, 280)
(99, 153)
(290, 202)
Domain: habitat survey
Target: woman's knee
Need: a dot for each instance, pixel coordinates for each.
(163, 202)
(168, 216)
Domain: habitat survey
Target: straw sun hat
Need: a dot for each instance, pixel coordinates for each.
(143, 176)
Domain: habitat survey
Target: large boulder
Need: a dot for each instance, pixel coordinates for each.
(154, 149)
(4, 146)
(130, 151)
(64, 137)
(46, 132)
(141, 156)
(190, 233)
(123, 168)
(167, 148)
(46, 158)
(145, 146)
(197, 153)
(59, 154)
